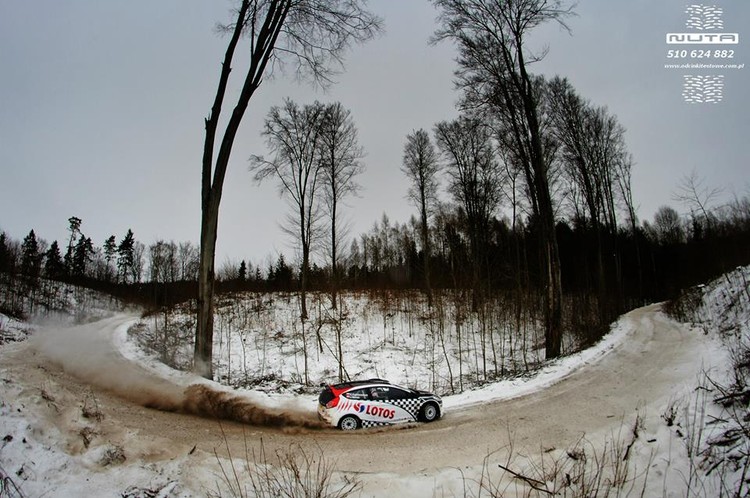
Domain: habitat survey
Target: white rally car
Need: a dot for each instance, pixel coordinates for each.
(376, 402)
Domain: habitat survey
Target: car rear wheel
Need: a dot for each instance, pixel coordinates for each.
(429, 412)
(349, 423)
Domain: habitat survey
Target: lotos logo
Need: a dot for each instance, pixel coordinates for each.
(377, 411)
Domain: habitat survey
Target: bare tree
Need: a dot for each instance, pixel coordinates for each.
(693, 192)
(292, 134)
(340, 160)
(311, 34)
(421, 167)
(491, 36)
(473, 181)
(668, 226)
(188, 257)
(626, 191)
(592, 143)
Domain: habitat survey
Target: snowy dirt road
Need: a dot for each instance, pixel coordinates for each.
(655, 360)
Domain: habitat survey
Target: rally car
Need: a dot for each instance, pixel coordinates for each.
(376, 402)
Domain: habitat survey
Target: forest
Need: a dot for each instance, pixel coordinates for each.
(526, 197)
(637, 262)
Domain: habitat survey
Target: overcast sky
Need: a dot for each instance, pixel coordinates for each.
(102, 106)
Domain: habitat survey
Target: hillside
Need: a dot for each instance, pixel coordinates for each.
(624, 413)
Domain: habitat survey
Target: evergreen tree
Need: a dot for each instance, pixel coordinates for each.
(30, 258)
(82, 256)
(126, 255)
(110, 253)
(4, 253)
(280, 275)
(75, 230)
(54, 268)
(243, 271)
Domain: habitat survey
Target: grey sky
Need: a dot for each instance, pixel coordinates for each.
(102, 106)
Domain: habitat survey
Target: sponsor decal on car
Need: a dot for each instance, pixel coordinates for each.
(367, 409)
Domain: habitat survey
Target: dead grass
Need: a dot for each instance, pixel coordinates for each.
(582, 471)
(296, 472)
(8, 487)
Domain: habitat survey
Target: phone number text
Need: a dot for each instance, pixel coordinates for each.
(700, 54)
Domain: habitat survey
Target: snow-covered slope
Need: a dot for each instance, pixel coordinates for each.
(66, 437)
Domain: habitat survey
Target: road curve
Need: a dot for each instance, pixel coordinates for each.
(655, 360)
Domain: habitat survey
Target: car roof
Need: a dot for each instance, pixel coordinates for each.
(357, 383)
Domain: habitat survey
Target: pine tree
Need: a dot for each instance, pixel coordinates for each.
(82, 256)
(54, 268)
(4, 254)
(30, 257)
(126, 255)
(243, 271)
(110, 252)
(75, 230)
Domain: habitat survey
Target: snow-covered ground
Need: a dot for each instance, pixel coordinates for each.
(260, 342)
(56, 441)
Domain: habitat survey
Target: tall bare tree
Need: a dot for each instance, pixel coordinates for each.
(340, 158)
(292, 134)
(474, 183)
(491, 38)
(311, 34)
(421, 167)
(593, 151)
(626, 191)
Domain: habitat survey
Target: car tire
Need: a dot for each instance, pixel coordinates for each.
(429, 412)
(349, 423)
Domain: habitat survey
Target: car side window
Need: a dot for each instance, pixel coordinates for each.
(357, 394)
(387, 393)
(395, 393)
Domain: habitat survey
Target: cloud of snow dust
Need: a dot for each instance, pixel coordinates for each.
(204, 400)
(88, 353)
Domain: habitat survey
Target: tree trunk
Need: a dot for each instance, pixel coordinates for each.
(212, 185)
(548, 237)
(426, 251)
(553, 305)
(334, 266)
(303, 281)
(203, 356)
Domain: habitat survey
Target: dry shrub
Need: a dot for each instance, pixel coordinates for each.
(113, 455)
(296, 472)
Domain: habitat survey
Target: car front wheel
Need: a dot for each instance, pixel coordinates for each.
(429, 412)
(349, 423)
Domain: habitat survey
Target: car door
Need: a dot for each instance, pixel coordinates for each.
(389, 404)
(354, 402)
